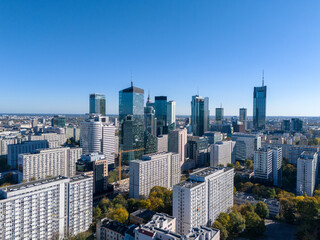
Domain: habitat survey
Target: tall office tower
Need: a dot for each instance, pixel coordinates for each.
(246, 145)
(160, 106)
(48, 162)
(97, 104)
(259, 106)
(222, 153)
(213, 137)
(199, 200)
(157, 169)
(198, 150)
(307, 172)
(58, 121)
(171, 114)
(243, 117)
(98, 136)
(219, 115)
(55, 208)
(25, 147)
(131, 118)
(199, 115)
(150, 121)
(177, 142)
(149, 103)
(96, 166)
(297, 124)
(276, 166)
(286, 125)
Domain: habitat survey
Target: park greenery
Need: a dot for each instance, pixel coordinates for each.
(244, 220)
(113, 176)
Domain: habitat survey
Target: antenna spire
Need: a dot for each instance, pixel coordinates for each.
(263, 78)
(198, 90)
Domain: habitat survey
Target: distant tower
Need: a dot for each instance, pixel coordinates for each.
(97, 104)
(219, 114)
(199, 115)
(243, 116)
(259, 106)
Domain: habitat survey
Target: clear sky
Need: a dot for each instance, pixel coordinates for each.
(54, 53)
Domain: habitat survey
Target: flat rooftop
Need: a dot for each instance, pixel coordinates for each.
(208, 171)
(189, 183)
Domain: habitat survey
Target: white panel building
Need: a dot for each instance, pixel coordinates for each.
(46, 209)
(156, 169)
(48, 162)
(199, 200)
(307, 172)
(177, 142)
(222, 153)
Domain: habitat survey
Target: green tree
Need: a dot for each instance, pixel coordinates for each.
(230, 165)
(119, 214)
(249, 164)
(248, 207)
(145, 204)
(120, 201)
(104, 204)
(308, 209)
(237, 166)
(223, 231)
(254, 224)
(261, 209)
(133, 205)
(224, 219)
(288, 209)
(97, 212)
(236, 224)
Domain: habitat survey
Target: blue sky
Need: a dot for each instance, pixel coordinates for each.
(54, 53)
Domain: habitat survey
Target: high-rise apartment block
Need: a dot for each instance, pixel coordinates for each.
(177, 142)
(25, 147)
(243, 116)
(199, 115)
(246, 145)
(199, 200)
(307, 172)
(162, 143)
(171, 114)
(158, 169)
(131, 119)
(267, 164)
(48, 162)
(54, 139)
(54, 208)
(222, 153)
(259, 107)
(97, 104)
(98, 136)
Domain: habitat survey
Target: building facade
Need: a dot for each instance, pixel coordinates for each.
(243, 117)
(222, 153)
(246, 145)
(199, 115)
(259, 107)
(97, 104)
(177, 142)
(158, 169)
(219, 115)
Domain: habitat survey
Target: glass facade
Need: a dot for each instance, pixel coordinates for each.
(259, 107)
(219, 115)
(199, 115)
(131, 118)
(97, 104)
(58, 121)
(160, 106)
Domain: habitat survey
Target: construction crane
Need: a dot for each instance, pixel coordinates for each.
(119, 155)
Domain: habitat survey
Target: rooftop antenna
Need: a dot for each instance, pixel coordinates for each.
(131, 80)
(262, 77)
(220, 105)
(198, 90)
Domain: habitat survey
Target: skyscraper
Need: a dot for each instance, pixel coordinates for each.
(58, 121)
(150, 124)
(177, 142)
(259, 106)
(171, 114)
(97, 104)
(131, 118)
(160, 106)
(243, 116)
(219, 115)
(199, 115)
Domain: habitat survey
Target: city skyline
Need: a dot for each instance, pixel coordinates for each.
(52, 60)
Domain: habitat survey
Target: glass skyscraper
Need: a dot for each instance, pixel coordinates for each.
(243, 116)
(131, 119)
(259, 107)
(160, 106)
(199, 115)
(97, 104)
(219, 115)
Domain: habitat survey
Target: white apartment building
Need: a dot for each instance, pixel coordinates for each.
(222, 153)
(246, 144)
(199, 200)
(307, 172)
(156, 169)
(53, 208)
(276, 165)
(177, 142)
(5, 141)
(98, 136)
(48, 162)
(54, 139)
(162, 143)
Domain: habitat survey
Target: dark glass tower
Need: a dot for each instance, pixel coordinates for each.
(219, 115)
(160, 106)
(97, 104)
(259, 107)
(199, 115)
(131, 119)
